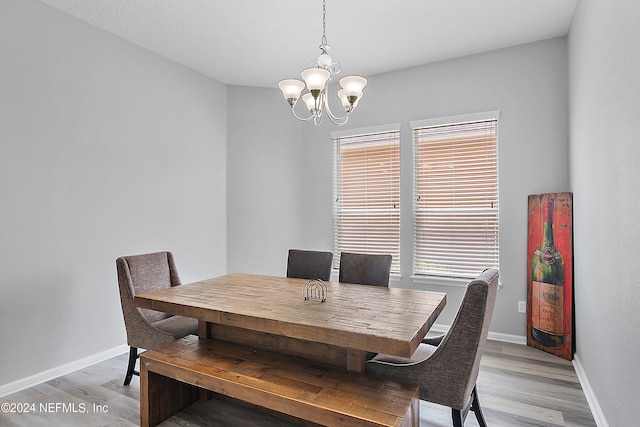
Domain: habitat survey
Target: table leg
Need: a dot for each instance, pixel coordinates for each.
(203, 329)
(356, 359)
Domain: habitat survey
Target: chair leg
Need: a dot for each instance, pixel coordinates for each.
(133, 356)
(475, 407)
(456, 415)
(459, 416)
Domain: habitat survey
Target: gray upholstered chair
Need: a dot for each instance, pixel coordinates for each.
(446, 367)
(309, 264)
(148, 329)
(364, 269)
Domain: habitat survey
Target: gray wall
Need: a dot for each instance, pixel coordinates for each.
(604, 65)
(265, 181)
(105, 150)
(528, 84)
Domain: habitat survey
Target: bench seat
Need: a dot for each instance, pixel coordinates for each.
(296, 387)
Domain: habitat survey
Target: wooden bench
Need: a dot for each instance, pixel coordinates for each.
(288, 385)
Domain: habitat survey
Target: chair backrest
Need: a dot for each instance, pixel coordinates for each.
(364, 269)
(454, 365)
(309, 264)
(138, 274)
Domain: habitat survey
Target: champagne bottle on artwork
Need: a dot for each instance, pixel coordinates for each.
(548, 277)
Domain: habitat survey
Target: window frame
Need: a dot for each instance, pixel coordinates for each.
(337, 137)
(439, 278)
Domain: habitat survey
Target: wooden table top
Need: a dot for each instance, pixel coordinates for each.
(367, 318)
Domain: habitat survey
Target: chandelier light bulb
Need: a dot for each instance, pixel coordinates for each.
(349, 102)
(353, 85)
(291, 89)
(310, 102)
(315, 78)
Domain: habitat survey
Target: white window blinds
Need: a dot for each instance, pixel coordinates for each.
(366, 188)
(455, 198)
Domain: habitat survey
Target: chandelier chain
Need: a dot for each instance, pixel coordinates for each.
(324, 25)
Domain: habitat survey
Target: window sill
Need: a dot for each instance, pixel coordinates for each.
(443, 281)
(440, 281)
(393, 277)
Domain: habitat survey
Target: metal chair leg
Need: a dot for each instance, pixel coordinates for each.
(475, 407)
(459, 416)
(133, 356)
(458, 419)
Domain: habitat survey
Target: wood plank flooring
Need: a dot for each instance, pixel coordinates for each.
(517, 386)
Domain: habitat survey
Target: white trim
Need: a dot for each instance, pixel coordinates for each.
(393, 127)
(514, 339)
(450, 120)
(393, 277)
(68, 368)
(592, 400)
(457, 282)
(49, 374)
(441, 281)
(495, 336)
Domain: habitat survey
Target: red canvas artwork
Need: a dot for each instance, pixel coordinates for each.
(550, 274)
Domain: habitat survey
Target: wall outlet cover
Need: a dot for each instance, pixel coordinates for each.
(522, 306)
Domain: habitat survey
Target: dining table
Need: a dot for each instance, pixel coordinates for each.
(272, 313)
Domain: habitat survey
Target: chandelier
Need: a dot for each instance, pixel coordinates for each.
(316, 78)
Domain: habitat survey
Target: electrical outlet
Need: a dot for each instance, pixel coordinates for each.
(522, 306)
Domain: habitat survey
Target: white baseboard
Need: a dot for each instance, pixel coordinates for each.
(39, 378)
(514, 339)
(49, 374)
(596, 410)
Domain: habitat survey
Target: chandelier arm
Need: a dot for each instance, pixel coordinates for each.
(320, 102)
(335, 119)
(304, 119)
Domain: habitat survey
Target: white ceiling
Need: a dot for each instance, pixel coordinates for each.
(259, 42)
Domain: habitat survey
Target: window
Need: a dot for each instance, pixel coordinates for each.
(455, 195)
(366, 189)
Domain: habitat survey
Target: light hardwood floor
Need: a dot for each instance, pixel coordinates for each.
(518, 386)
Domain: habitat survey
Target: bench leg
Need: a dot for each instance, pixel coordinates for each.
(162, 397)
(144, 395)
